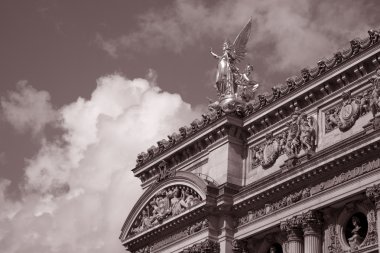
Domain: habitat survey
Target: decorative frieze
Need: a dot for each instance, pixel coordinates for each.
(307, 192)
(207, 246)
(272, 207)
(165, 204)
(190, 230)
(346, 176)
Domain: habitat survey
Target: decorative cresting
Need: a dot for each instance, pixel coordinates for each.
(165, 204)
(207, 246)
(263, 100)
(234, 88)
(299, 135)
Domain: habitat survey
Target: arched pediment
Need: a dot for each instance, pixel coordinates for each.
(164, 201)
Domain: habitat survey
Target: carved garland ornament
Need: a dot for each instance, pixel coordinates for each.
(167, 203)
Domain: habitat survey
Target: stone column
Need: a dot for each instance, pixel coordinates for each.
(312, 228)
(373, 193)
(293, 230)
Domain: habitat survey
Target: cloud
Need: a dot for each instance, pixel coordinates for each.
(79, 187)
(285, 34)
(27, 109)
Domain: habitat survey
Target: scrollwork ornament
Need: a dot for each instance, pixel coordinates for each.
(373, 193)
(334, 245)
(371, 238)
(271, 151)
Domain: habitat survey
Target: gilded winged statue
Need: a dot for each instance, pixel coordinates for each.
(228, 77)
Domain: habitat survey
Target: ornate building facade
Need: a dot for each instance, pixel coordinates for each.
(296, 170)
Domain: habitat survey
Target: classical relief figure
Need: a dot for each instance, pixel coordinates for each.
(292, 146)
(308, 134)
(301, 134)
(168, 202)
(375, 96)
(177, 202)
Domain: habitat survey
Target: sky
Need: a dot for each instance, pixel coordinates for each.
(87, 85)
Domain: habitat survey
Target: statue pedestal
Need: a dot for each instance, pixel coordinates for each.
(230, 103)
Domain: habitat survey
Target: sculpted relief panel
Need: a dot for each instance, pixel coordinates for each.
(300, 135)
(345, 114)
(165, 204)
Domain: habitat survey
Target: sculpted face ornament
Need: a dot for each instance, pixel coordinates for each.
(234, 88)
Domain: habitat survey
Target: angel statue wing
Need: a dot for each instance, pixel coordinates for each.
(239, 46)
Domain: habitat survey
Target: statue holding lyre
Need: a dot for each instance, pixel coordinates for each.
(229, 81)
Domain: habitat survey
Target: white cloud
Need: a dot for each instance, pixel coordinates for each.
(27, 109)
(79, 188)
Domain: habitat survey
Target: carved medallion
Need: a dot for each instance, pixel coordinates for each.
(266, 154)
(271, 151)
(349, 112)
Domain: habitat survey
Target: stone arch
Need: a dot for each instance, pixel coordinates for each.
(144, 215)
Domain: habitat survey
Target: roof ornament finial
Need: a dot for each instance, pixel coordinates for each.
(234, 88)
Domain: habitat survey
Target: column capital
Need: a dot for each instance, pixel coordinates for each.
(312, 222)
(239, 246)
(373, 193)
(293, 228)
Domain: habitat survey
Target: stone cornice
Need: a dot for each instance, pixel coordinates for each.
(228, 128)
(306, 83)
(325, 86)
